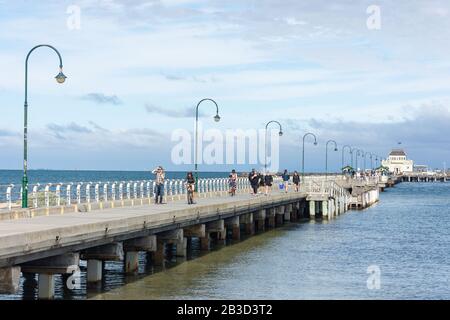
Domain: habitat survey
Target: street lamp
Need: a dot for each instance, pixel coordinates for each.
(60, 78)
(359, 153)
(326, 155)
(303, 149)
(216, 119)
(371, 159)
(352, 151)
(265, 150)
(343, 149)
(365, 157)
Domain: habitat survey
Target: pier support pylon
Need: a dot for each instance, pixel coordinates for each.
(131, 262)
(94, 270)
(260, 218)
(205, 242)
(312, 209)
(46, 286)
(9, 280)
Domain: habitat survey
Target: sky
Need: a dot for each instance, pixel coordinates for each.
(136, 70)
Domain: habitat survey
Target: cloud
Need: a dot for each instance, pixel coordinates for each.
(101, 98)
(7, 133)
(423, 130)
(172, 77)
(182, 113)
(96, 136)
(58, 131)
(97, 127)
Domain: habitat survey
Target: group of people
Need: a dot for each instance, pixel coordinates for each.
(258, 182)
(189, 181)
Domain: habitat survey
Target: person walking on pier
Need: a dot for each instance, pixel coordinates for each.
(296, 180)
(159, 188)
(268, 182)
(254, 181)
(190, 187)
(285, 176)
(232, 183)
(261, 182)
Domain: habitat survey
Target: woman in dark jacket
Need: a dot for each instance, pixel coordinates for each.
(254, 181)
(286, 179)
(268, 181)
(296, 181)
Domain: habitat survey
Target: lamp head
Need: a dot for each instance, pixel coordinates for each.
(217, 118)
(335, 149)
(280, 133)
(60, 78)
(315, 143)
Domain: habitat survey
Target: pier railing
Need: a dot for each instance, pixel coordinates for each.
(66, 194)
(73, 193)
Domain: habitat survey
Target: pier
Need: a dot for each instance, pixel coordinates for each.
(52, 239)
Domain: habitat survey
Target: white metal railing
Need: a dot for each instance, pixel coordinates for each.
(65, 194)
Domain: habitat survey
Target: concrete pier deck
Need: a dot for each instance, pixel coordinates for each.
(24, 240)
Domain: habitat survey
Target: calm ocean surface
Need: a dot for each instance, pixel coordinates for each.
(406, 235)
(55, 176)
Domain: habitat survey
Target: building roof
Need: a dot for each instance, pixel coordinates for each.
(397, 152)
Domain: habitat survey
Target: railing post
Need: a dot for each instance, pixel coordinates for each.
(113, 192)
(88, 193)
(153, 189)
(35, 196)
(47, 195)
(105, 192)
(69, 193)
(97, 192)
(170, 191)
(9, 196)
(142, 190)
(58, 194)
(135, 190)
(128, 190)
(79, 193)
(149, 194)
(121, 191)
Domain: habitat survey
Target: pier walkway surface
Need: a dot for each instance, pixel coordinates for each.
(52, 240)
